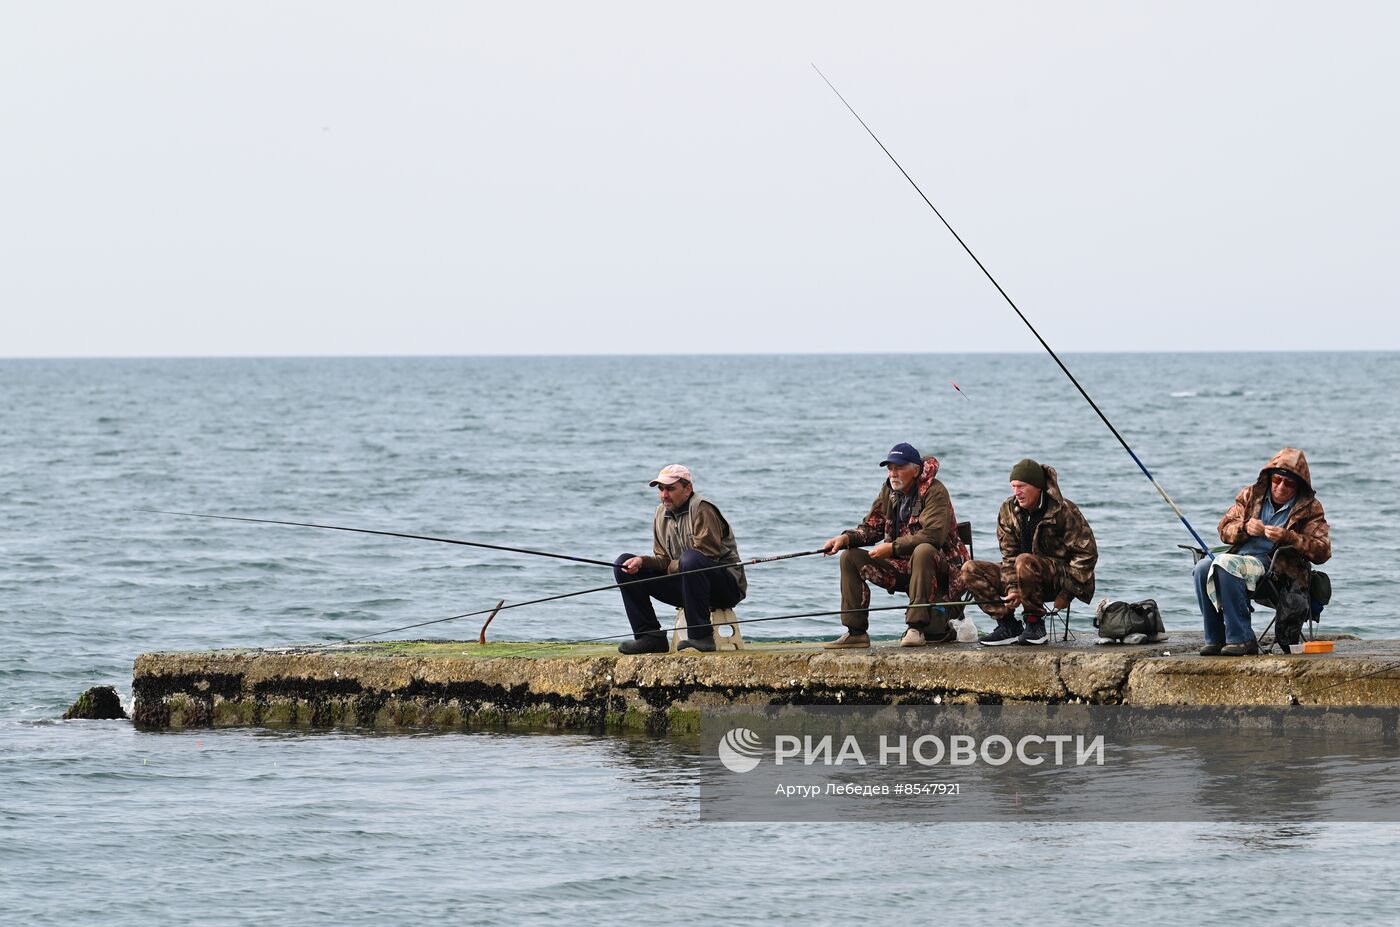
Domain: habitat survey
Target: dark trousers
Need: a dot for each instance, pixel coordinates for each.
(697, 593)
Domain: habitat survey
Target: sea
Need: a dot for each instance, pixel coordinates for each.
(104, 824)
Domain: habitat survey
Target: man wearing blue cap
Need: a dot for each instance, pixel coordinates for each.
(916, 550)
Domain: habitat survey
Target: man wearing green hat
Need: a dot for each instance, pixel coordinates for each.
(1048, 554)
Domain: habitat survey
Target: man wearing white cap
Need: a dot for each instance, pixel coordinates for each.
(689, 538)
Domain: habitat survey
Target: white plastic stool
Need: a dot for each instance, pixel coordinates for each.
(719, 618)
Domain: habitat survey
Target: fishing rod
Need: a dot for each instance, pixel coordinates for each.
(391, 534)
(1147, 473)
(846, 611)
(499, 607)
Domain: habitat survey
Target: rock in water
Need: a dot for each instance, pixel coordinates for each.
(100, 703)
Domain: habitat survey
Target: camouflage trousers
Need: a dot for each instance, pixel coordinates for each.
(928, 575)
(1038, 580)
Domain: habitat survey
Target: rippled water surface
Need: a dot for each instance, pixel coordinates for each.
(102, 824)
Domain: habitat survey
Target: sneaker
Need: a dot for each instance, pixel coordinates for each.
(851, 640)
(1240, 650)
(912, 638)
(1212, 650)
(1034, 635)
(647, 643)
(702, 644)
(1007, 631)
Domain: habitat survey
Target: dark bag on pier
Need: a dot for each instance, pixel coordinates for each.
(1291, 609)
(1129, 622)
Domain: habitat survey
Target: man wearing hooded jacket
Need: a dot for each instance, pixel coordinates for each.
(1279, 510)
(1048, 554)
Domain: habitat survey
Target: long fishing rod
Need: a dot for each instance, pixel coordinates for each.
(1162, 492)
(568, 595)
(390, 534)
(846, 611)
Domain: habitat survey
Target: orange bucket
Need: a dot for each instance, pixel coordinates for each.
(1318, 646)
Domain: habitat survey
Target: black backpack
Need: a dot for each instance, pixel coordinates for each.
(1118, 620)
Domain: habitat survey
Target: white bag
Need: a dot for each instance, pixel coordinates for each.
(966, 628)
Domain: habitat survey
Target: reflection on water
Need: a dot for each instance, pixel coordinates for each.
(339, 828)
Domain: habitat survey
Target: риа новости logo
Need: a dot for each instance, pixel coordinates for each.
(740, 750)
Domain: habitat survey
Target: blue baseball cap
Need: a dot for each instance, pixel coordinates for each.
(902, 454)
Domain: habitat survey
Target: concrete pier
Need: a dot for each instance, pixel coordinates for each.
(461, 685)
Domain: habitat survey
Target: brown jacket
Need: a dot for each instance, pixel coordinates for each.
(1063, 534)
(699, 526)
(933, 522)
(1309, 536)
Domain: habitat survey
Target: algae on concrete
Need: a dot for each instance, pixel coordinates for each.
(558, 685)
(100, 703)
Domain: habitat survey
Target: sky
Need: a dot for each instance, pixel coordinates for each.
(464, 178)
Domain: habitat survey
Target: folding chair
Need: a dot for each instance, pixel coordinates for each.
(1059, 617)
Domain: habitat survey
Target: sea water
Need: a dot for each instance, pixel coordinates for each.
(100, 823)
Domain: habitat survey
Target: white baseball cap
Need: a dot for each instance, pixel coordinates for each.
(671, 474)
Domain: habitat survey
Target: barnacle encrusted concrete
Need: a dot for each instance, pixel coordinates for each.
(457, 685)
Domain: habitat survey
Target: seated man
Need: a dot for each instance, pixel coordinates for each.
(917, 550)
(1279, 509)
(688, 534)
(1047, 553)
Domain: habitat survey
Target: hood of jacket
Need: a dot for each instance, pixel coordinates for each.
(928, 474)
(1292, 461)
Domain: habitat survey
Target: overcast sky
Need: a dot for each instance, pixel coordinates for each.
(522, 178)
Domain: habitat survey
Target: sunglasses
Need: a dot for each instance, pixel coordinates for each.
(670, 487)
(1279, 479)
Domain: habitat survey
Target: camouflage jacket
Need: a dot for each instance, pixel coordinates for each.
(1062, 534)
(933, 522)
(1309, 536)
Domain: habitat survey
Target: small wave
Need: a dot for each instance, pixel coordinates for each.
(1230, 392)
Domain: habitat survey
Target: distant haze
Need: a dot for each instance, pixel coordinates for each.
(261, 178)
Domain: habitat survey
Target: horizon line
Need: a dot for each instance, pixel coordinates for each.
(559, 355)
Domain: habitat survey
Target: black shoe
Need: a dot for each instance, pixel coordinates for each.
(1034, 634)
(1212, 650)
(1007, 631)
(1240, 650)
(702, 644)
(950, 636)
(647, 643)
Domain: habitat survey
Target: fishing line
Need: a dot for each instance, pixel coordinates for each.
(1350, 679)
(1162, 492)
(391, 534)
(847, 611)
(567, 595)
